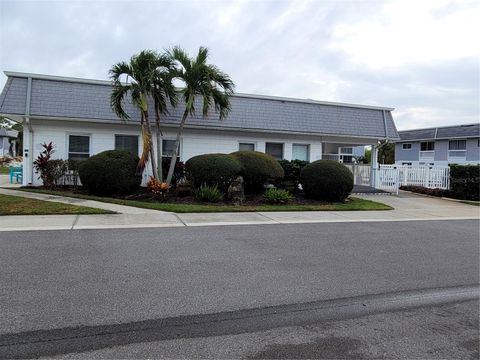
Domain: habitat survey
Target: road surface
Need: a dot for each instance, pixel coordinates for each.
(173, 291)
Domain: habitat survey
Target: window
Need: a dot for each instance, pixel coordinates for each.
(427, 146)
(275, 150)
(346, 150)
(406, 146)
(168, 148)
(246, 147)
(78, 147)
(457, 145)
(127, 142)
(407, 163)
(300, 152)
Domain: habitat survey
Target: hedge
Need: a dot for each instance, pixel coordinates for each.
(326, 180)
(465, 182)
(292, 169)
(213, 170)
(257, 169)
(110, 172)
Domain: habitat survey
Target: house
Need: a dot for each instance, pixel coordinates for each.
(457, 144)
(75, 115)
(7, 142)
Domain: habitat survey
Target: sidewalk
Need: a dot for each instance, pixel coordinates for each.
(407, 207)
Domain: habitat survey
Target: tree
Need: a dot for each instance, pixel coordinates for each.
(202, 80)
(148, 75)
(386, 154)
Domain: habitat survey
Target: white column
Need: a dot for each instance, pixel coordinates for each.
(374, 164)
(27, 177)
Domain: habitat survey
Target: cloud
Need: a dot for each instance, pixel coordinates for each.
(420, 57)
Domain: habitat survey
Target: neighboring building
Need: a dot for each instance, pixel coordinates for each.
(75, 115)
(457, 144)
(8, 140)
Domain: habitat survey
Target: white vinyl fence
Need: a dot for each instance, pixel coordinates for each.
(391, 177)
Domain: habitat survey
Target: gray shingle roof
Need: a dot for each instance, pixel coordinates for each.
(445, 132)
(90, 99)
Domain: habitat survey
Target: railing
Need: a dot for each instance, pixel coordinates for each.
(434, 177)
(426, 155)
(457, 154)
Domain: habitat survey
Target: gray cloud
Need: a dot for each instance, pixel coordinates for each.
(325, 50)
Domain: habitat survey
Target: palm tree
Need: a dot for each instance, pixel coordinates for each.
(203, 80)
(163, 92)
(148, 75)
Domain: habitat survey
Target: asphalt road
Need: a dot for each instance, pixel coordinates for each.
(66, 282)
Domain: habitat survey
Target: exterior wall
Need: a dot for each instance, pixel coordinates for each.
(441, 150)
(473, 150)
(406, 155)
(193, 142)
(472, 155)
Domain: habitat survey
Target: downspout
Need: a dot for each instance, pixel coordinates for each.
(375, 149)
(28, 153)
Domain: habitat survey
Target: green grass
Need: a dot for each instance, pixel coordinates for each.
(3, 170)
(354, 204)
(15, 205)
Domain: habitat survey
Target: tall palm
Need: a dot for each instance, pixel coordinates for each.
(163, 93)
(202, 80)
(147, 76)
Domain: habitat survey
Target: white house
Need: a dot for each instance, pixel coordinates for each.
(75, 115)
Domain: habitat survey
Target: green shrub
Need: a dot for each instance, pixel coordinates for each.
(292, 169)
(208, 193)
(465, 182)
(213, 169)
(277, 196)
(326, 180)
(110, 172)
(258, 168)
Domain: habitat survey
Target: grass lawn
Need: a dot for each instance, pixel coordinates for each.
(3, 170)
(15, 205)
(353, 204)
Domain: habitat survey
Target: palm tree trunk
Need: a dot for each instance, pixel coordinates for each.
(152, 153)
(173, 161)
(159, 144)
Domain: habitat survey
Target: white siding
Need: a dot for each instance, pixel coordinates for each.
(194, 142)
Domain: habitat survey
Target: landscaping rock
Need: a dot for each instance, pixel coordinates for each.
(236, 192)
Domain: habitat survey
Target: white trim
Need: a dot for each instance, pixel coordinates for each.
(244, 95)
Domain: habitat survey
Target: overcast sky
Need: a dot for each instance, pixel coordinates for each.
(420, 57)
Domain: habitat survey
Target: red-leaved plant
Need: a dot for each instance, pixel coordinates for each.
(158, 188)
(42, 162)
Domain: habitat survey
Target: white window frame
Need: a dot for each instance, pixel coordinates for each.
(67, 148)
(254, 143)
(139, 145)
(308, 145)
(404, 148)
(278, 143)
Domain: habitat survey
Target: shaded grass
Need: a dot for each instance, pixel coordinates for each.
(15, 205)
(353, 204)
(470, 202)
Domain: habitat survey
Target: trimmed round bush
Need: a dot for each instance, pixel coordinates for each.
(213, 170)
(258, 168)
(110, 172)
(326, 180)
